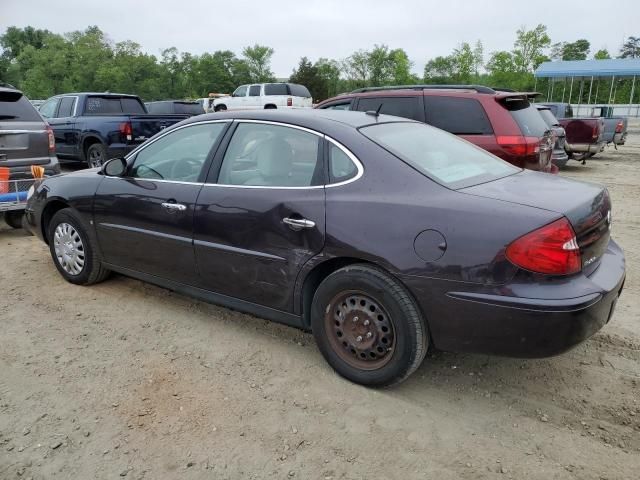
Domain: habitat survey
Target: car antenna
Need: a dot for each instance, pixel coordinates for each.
(375, 112)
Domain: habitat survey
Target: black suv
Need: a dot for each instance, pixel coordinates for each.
(25, 138)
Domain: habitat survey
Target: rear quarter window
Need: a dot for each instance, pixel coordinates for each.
(299, 90)
(15, 107)
(460, 116)
(407, 107)
(276, 89)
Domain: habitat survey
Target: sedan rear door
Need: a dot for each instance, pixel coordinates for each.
(261, 214)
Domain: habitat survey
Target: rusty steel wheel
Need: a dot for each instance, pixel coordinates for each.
(360, 331)
(367, 326)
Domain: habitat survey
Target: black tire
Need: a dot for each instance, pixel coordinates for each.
(96, 155)
(92, 270)
(14, 218)
(220, 108)
(410, 335)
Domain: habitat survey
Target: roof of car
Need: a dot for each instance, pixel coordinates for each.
(103, 94)
(305, 117)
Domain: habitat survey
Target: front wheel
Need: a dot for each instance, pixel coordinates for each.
(220, 108)
(73, 252)
(367, 326)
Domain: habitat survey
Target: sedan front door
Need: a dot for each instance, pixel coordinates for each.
(144, 220)
(261, 214)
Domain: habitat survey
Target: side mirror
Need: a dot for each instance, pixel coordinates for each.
(115, 167)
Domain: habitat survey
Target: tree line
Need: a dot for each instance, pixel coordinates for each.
(43, 63)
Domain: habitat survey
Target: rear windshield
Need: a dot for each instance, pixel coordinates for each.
(113, 105)
(439, 155)
(15, 107)
(191, 108)
(526, 116)
(276, 89)
(548, 117)
(299, 90)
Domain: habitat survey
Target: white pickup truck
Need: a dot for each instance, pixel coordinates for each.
(265, 95)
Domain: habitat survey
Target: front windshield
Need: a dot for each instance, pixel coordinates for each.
(443, 157)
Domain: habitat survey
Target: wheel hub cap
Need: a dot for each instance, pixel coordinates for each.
(68, 248)
(360, 330)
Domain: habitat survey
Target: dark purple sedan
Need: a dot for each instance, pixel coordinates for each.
(383, 236)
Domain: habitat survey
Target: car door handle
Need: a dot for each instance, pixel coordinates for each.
(298, 223)
(174, 207)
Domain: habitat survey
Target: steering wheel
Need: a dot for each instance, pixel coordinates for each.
(186, 168)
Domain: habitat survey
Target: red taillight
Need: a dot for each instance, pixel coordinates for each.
(289, 102)
(552, 249)
(52, 140)
(594, 133)
(126, 130)
(619, 126)
(519, 145)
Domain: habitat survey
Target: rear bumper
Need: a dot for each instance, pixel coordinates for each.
(560, 158)
(585, 147)
(517, 326)
(23, 171)
(620, 138)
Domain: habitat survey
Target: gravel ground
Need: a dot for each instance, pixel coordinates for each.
(125, 379)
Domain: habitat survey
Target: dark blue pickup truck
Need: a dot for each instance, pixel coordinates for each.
(93, 127)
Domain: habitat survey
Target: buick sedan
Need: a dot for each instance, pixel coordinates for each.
(383, 236)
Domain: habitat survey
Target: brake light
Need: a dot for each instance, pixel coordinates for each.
(594, 133)
(127, 130)
(552, 249)
(52, 140)
(519, 145)
(619, 126)
(289, 102)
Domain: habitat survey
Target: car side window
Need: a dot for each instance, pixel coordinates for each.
(271, 156)
(461, 116)
(179, 155)
(67, 105)
(407, 107)
(48, 108)
(240, 92)
(338, 106)
(341, 167)
(254, 91)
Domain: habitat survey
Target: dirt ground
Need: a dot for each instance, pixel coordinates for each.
(124, 379)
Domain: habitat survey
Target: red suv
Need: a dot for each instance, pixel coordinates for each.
(503, 123)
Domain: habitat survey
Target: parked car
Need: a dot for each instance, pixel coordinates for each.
(181, 107)
(93, 127)
(559, 156)
(265, 95)
(615, 128)
(381, 235)
(25, 141)
(503, 123)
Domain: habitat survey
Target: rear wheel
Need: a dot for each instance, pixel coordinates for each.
(73, 253)
(96, 155)
(14, 218)
(368, 327)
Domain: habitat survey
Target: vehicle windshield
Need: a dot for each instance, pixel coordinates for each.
(548, 117)
(439, 155)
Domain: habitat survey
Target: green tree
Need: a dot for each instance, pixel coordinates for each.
(380, 66)
(630, 48)
(308, 75)
(577, 50)
(528, 49)
(602, 54)
(440, 70)
(329, 70)
(401, 67)
(258, 60)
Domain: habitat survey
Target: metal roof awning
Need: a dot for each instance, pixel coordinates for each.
(616, 67)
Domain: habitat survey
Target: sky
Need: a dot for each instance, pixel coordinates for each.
(330, 28)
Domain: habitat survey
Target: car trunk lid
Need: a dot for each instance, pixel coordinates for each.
(587, 206)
